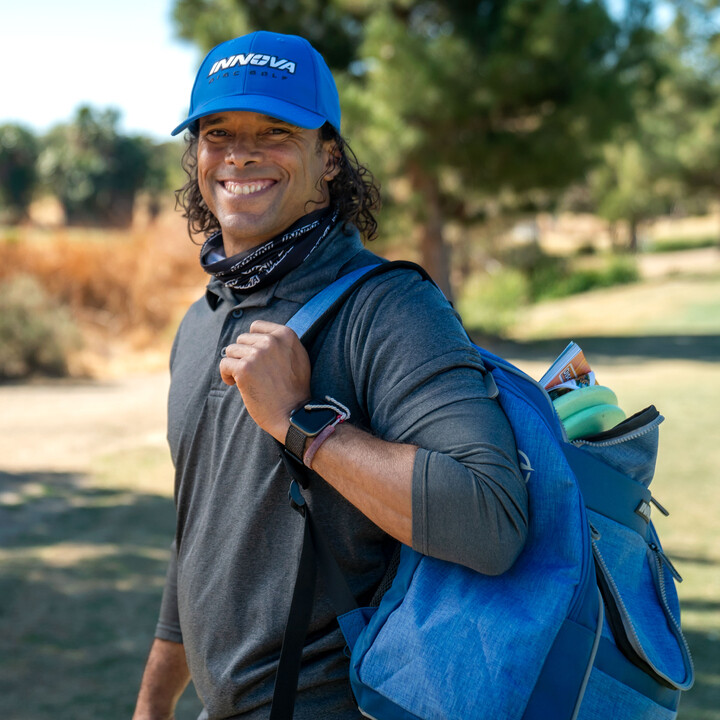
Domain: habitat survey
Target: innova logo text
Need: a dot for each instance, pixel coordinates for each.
(253, 59)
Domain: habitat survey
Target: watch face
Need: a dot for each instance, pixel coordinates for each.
(311, 422)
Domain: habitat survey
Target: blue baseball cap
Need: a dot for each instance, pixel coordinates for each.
(278, 75)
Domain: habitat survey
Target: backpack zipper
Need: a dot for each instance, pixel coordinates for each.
(627, 622)
(633, 435)
(661, 556)
(625, 615)
(659, 564)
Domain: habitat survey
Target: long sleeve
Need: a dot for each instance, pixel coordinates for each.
(168, 625)
(421, 382)
(469, 501)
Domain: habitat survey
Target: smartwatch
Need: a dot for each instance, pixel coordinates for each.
(306, 424)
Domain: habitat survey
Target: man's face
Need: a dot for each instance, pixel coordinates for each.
(258, 175)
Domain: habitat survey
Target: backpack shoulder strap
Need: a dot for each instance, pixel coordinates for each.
(308, 320)
(315, 552)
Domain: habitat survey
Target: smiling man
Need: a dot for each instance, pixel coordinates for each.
(259, 174)
(424, 455)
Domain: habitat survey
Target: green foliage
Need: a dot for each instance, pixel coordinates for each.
(673, 150)
(332, 26)
(629, 184)
(35, 335)
(18, 154)
(510, 94)
(467, 100)
(164, 173)
(678, 244)
(557, 277)
(93, 169)
(492, 302)
(489, 303)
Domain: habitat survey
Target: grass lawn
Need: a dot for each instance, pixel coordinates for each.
(82, 565)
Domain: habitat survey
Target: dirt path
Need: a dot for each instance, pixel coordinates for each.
(64, 425)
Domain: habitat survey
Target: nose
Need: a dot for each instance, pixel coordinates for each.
(243, 150)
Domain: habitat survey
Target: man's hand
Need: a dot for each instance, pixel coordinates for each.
(271, 369)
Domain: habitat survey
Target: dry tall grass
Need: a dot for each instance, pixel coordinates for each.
(124, 289)
(119, 281)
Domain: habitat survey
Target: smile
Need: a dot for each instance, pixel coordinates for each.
(248, 188)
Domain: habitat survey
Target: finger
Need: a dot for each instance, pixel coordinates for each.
(264, 326)
(265, 333)
(228, 370)
(239, 349)
(283, 332)
(249, 347)
(251, 339)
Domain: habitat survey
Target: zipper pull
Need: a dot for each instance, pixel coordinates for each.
(659, 506)
(666, 561)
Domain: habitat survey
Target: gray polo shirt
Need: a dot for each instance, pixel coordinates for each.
(398, 357)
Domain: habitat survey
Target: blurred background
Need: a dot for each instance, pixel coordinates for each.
(555, 165)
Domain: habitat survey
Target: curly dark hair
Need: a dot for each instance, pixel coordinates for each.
(354, 191)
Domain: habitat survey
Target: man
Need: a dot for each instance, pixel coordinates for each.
(426, 457)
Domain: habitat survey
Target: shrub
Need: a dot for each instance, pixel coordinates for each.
(556, 278)
(489, 303)
(678, 244)
(36, 336)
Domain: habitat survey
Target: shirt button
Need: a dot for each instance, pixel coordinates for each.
(223, 352)
(237, 313)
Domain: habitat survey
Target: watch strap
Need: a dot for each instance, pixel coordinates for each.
(296, 435)
(295, 442)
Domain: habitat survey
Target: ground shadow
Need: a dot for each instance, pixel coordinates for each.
(610, 350)
(694, 559)
(37, 508)
(81, 579)
(75, 629)
(702, 701)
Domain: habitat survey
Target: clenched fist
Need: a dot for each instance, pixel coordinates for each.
(271, 369)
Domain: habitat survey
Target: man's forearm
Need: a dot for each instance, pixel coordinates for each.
(166, 676)
(374, 475)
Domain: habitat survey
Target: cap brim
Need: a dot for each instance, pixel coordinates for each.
(279, 109)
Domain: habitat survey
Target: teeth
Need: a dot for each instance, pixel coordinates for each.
(246, 188)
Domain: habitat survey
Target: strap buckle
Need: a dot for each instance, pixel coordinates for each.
(297, 501)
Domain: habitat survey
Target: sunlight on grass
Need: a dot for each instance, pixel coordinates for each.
(146, 469)
(82, 567)
(679, 306)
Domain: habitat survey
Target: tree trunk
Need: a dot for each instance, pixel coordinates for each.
(633, 226)
(434, 250)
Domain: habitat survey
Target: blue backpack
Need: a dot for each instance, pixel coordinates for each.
(586, 624)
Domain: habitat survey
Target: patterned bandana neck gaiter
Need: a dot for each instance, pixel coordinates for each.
(263, 265)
